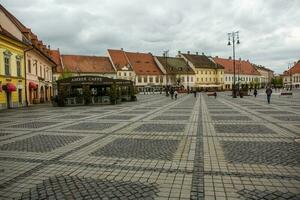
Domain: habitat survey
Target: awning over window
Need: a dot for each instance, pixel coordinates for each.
(10, 87)
(33, 85)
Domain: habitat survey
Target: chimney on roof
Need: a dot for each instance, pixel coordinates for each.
(247, 60)
(179, 52)
(48, 46)
(196, 52)
(122, 49)
(240, 59)
(188, 52)
(216, 56)
(203, 54)
(229, 58)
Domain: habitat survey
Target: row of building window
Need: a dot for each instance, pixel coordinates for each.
(7, 65)
(230, 78)
(125, 73)
(208, 72)
(209, 79)
(151, 79)
(295, 79)
(46, 74)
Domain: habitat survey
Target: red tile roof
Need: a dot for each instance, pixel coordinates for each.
(241, 67)
(118, 58)
(55, 55)
(87, 64)
(294, 70)
(142, 63)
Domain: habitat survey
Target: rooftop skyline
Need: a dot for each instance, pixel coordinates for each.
(269, 31)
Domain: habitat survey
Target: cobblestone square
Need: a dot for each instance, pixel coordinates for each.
(40, 143)
(139, 149)
(154, 148)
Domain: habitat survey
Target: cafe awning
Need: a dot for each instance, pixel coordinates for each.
(33, 85)
(10, 87)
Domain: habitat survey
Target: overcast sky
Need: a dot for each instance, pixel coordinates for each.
(269, 29)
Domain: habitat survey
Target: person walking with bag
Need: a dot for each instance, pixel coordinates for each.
(175, 94)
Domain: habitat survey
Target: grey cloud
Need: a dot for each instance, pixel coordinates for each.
(269, 30)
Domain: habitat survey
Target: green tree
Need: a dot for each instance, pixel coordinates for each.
(277, 82)
(65, 74)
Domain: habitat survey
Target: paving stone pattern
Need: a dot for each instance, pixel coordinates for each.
(165, 117)
(266, 194)
(33, 125)
(70, 187)
(154, 148)
(40, 143)
(160, 128)
(139, 149)
(273, 153)
(243, 128)
(94, 126)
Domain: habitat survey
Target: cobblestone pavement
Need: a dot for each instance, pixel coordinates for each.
(155, 148)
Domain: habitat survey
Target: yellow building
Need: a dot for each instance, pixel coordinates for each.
(12, 74)
(209, 74)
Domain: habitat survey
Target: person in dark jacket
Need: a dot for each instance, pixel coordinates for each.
(269, 93)
(255, 92)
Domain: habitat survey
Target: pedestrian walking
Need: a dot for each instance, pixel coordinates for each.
(215, 94)
(172, 93)
(175, 94)
(195, 93)
(269, 93)
(255, 92)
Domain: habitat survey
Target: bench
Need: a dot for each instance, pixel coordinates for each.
(210, 94)
(286, 94)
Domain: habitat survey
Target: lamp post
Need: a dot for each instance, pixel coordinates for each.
(291, 79)
(233, 38)
(166, 62)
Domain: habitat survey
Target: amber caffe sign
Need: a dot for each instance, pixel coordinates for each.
(91, 80)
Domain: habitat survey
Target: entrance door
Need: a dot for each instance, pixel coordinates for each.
(20, 96)
(8, 99)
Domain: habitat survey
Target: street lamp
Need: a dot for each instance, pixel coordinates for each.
(291, 79)
(234, 39)
(166, 62)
